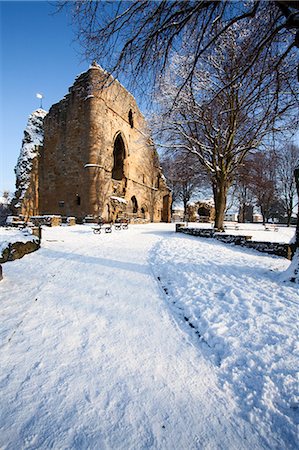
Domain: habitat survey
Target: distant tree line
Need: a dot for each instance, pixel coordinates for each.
(5, 207)
(264, 181)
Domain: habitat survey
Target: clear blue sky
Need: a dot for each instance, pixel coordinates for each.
(37, 55)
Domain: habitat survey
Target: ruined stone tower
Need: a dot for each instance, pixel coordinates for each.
(98, 158)
(26, 199)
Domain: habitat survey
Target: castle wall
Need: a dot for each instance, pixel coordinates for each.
(82, 130)
(26, 199)
(30, 203)
(66, 148)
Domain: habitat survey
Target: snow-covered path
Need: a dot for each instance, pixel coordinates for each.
(91, 356)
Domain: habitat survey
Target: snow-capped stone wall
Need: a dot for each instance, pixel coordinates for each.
(26, 196)
(98, 158)
(272, 248)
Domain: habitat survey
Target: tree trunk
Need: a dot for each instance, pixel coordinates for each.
(292, 274)
(241, 216)
(289, 216)
(220, 189)
(185, 202)
(263, 215)
(289, 211)
(296, 174)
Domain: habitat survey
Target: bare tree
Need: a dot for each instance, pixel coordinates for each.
(141, 35)
(5, 206)
(183, 176)
(262, 181)
(287, 160)
(242, 191)
(220, 121)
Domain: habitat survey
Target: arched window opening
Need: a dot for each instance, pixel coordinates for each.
(78, 199)
(107, 213)
(134, 204)
(166, 209)
(118, 158)
(144, 212)
(202, 211)
(130, 116)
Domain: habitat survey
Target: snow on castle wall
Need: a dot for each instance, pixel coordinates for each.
(26, 195)
(98, 157)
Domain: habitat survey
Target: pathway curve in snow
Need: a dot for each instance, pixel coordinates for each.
(234, 306)
(91, 357)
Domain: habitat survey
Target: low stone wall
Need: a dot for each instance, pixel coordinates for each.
(71, 221)
(201, 232)
(17, 250)
(272, 248)
(139, 220)
(51, 220)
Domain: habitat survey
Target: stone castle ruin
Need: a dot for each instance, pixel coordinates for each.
(96, 157)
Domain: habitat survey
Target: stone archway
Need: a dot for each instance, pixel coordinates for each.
(118, 158)
(165, 216)
(144, 214)
(134, 204)
(107, 216)
(204, 211)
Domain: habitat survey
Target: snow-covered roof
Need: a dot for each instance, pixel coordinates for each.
(118, 199)
(207, 201)
(178, 209)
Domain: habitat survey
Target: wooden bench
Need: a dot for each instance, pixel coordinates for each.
(271, 227)
(121, 224)
(107, 227)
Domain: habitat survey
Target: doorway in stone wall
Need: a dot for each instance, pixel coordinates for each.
(107, 213)
(118, 158)
(134, 204)
(165, 210)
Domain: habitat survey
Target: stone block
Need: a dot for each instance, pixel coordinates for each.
(18, 249)
(71, 221)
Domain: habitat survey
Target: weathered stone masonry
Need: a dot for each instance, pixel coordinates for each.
(97, 156)
(272, 248)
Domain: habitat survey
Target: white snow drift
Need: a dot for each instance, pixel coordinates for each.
(146, 339)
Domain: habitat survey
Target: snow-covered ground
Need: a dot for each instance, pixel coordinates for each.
(257, 231)
(146, 339)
